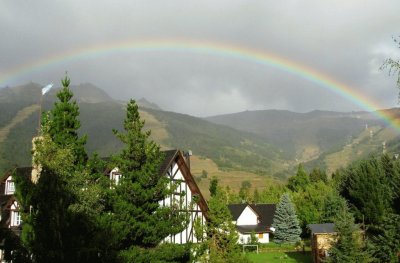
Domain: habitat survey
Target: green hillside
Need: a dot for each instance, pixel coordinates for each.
(300, 136)
(228, 148)
(263, 143)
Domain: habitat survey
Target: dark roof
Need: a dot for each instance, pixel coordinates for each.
(322, 228)
(253, 228)
(236, 210)
(169, 157)
(265, 212)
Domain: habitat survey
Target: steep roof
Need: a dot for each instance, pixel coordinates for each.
(175, 155)
(322, 228)
(265, 212)
(236, 210)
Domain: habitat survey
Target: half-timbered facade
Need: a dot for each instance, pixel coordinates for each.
(187, 195)
(10, 215)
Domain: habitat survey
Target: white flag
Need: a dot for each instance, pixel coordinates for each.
(47, 88)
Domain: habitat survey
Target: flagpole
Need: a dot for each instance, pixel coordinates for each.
(40, 113)
(43, 92)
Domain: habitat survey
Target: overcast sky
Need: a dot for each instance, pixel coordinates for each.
(346, 40)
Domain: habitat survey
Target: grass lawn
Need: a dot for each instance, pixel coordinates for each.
(278, 257)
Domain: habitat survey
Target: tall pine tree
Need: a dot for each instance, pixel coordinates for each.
(349, 244)
(54, 230)
(285, 222)
(137, 220)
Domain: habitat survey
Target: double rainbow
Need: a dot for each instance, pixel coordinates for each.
(210, 48)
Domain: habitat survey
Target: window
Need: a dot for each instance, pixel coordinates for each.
(15, 218)
(260, 235)
(115, 177)
(10, 187)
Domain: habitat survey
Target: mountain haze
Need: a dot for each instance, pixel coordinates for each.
(259, 143)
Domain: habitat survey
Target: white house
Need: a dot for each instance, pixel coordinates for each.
(250, 218)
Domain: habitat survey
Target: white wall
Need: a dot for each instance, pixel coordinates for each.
(247, 217)
(244, 238)
(187, 233)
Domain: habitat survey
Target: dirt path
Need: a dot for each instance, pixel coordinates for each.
(20, 117)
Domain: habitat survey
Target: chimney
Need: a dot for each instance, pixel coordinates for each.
(187, 157)
(35, 168)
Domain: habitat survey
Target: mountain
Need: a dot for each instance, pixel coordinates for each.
(230, 149)
(147, 104)
(301, 136)
(254, 145)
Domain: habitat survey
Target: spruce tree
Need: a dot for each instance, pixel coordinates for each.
(62, 123)
(348, 247)
(385, 246)
(53, 229)
(137, 220)
(285, 222)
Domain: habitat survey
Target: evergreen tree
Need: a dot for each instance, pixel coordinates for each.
(62, 123)
(221, 232)
(368, 191)
(137, 220)
(300, 180)
(285, 222)
(53, 230)
(213, 186)
(318, 175)
(349, 245)
(385, 246)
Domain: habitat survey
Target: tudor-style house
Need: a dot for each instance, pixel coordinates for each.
(175, 166)
(253, 218)
(10, 216)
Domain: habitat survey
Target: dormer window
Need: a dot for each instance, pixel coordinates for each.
(115, 175)
(15, 215)
(10, 186)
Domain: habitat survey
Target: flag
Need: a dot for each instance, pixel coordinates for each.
(47, 88)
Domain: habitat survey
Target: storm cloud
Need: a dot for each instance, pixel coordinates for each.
(346, 40)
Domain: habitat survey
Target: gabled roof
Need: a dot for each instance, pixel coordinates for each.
(171, 156)
(264, 212)
(322, 228)
(236, 210)
(19, 171)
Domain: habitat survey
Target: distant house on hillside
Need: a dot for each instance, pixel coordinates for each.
(255, 218)
(322, 236)
(175, 166)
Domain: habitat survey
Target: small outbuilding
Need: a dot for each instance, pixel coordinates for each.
(322, 237)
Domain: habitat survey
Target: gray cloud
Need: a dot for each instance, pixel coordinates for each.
(346, 40)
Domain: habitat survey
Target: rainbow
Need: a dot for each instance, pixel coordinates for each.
(210, 48)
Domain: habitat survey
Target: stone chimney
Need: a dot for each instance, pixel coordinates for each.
(36, 169)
